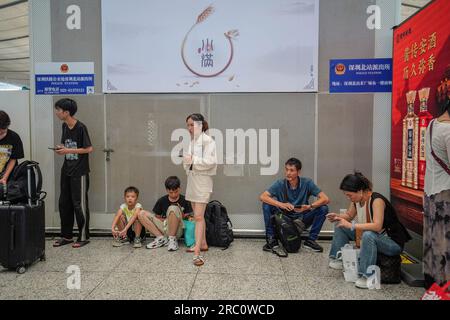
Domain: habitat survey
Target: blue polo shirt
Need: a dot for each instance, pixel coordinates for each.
(299, 196)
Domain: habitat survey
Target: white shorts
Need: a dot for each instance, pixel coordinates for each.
(199, 188)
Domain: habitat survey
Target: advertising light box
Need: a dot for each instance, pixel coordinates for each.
(421, 66)
(199, 46)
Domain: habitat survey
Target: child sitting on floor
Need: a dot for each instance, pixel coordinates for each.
(126, 226)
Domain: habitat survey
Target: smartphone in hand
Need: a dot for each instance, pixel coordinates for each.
(54, 148)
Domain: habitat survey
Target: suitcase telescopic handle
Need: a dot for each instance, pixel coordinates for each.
(12, 229)
(32, 186)
(29, 187)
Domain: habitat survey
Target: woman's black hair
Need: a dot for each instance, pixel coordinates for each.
(197, 117)
(356, 182)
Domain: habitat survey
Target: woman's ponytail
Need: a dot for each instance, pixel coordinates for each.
(356, 182)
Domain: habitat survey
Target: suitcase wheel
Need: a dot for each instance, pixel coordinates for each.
(43, 258)
(21, 270)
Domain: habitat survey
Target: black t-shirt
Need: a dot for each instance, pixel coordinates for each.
(10, 148)
(164, 203)
(75, 164)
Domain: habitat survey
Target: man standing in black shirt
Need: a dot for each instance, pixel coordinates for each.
(166, 220)
(11, 148)
(73, 200)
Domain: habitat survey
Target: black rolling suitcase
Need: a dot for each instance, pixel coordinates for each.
(22, 229)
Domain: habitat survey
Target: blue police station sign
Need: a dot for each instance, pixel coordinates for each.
(65, 78)
(360, 75)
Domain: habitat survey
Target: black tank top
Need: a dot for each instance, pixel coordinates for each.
(394, 228)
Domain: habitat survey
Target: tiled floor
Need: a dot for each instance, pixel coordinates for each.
(243, 271)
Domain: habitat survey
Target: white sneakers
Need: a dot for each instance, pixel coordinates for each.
(361, 283)
(173, 244)
(163, 241)
(336, 264)
(157, 243)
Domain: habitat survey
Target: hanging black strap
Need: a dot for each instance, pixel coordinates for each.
(191, 167)
(439, 160)
(286, 190)
(285, 195)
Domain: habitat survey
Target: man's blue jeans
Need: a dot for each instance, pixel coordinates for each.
(314, 218)
(371, 244)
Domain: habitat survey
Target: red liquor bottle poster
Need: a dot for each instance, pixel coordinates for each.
(421, 55)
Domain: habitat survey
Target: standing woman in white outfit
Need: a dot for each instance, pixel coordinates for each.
(200, 164)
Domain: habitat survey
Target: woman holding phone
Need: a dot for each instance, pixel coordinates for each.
(372, 216)
(200, 164)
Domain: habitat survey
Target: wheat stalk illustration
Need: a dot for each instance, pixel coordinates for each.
(230, 35)
(205, 14)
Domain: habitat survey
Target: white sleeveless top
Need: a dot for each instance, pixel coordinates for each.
(361, 213)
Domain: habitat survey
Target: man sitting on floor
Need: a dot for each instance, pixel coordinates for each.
(291, 195)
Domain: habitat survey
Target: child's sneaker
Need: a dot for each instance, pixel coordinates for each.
(335, 264)
(118, 242)
(137, 242)
(158, 243)
(173, 244)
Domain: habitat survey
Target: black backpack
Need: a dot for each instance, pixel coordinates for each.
(18, 190)
(285, 229)
(219, 230)
(286, 232)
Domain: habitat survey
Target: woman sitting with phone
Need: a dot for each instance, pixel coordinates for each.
(371, 215)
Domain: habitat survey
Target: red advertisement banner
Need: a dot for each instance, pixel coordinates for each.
(421, 54)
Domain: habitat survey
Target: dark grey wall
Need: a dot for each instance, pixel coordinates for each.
(343, 34)
(344, 141)
(83, 45)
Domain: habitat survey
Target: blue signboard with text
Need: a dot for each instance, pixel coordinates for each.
(66, 78)
(54, 84)
(360, 75)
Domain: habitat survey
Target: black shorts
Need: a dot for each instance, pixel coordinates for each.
(131, 234)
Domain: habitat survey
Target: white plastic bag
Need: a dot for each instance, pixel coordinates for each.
(350, 260)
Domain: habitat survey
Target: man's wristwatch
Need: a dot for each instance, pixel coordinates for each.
(311, 206)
